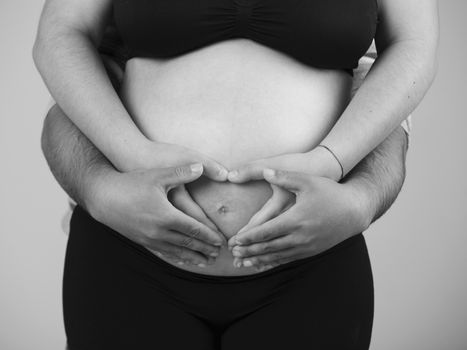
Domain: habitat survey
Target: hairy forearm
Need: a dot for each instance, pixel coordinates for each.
(72, 158)
(379, 177)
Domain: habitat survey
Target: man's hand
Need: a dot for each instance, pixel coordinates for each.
(135, 204)
(325, 214)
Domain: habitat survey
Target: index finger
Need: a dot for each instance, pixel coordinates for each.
(187, 225)
(279, 226)
(214, 170)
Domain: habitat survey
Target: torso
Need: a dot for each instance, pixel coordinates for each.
(235, 101)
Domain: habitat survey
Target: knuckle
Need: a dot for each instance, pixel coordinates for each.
(187, 241)
(195, 232)
(264, 235)
(266, 247)
(181, 171)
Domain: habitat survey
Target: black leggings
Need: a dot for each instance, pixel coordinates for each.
(118, 295)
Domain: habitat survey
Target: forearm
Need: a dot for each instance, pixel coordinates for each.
(74, 161)
(393, 88)
(74, 73)
(378, 178)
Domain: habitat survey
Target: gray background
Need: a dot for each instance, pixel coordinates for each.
(417, 249)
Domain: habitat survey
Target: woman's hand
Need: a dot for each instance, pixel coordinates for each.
(317, 162)
(135, 204)
(325, 214)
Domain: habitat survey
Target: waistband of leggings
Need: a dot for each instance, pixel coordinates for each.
(200, 277)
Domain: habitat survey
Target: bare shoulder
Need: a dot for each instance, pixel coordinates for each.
(407, 20)
(88, 16)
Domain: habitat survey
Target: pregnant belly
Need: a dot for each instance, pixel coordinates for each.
(235, 101)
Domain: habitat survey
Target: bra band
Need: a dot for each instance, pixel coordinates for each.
(324, 34)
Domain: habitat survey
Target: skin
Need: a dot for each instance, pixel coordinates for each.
(324, 164)
(407, 42)
(128, 203)
(65, 55)
(134, 203)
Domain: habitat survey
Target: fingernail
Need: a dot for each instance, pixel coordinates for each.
(180, 263)
(202, 265)
(237, 263)
(247, 263)
(217, 244)
(233, 174)
(269, 172)
(223, 173)
(236, 252)
(214, 254)
(196, 168)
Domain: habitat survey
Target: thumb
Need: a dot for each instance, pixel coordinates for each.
(172, 177)
(290, 180)
(247, 172)
(214, 170)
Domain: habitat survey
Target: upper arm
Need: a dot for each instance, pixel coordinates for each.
(85, 16)
(408, 20)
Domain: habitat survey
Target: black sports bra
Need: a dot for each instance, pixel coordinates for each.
(330, 34)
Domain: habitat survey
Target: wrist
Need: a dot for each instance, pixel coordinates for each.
(96, 189)
(324, 164)
(136, 157)
(362, 202)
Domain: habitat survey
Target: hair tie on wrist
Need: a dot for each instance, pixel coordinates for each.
(334, 155)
